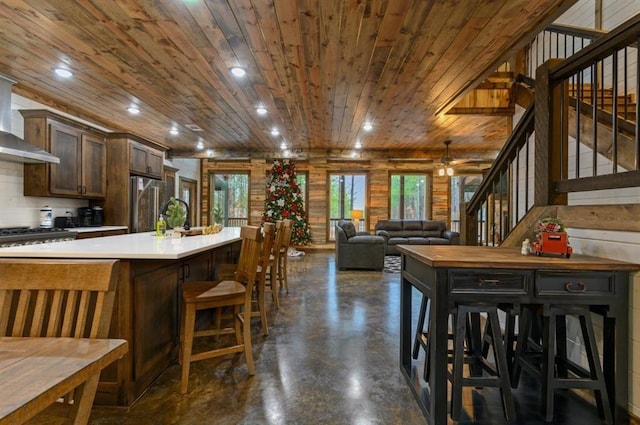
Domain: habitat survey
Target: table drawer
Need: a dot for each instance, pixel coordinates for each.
(563, 284)
(488, 281)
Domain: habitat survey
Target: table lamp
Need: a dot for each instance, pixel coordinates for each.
(356, 215)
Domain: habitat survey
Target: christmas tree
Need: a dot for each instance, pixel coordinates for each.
(284, 201)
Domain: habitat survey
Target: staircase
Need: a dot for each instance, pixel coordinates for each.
(559, 148)
(626, 104)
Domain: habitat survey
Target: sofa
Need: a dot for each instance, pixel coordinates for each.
(414, 232)
(358, 250)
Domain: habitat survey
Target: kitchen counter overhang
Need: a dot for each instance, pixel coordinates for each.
(141, 246)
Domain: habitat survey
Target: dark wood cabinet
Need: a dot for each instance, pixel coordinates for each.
(125, 153)
(145, 160)
(156, 325)
(81, 172)
(198, 267)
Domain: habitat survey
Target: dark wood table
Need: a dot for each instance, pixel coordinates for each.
(451, 274)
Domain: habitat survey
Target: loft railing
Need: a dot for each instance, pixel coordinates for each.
(558, 41)
(598, 145)
(583, 135)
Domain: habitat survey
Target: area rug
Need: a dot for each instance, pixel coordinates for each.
(392, 263)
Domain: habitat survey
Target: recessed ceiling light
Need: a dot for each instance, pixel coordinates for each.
(63, 72)
(133, 110)
(275, 132)
(238, 71)
(174, 131)
(367, 127)
(283, 146)
(200, 145)
(261, 110)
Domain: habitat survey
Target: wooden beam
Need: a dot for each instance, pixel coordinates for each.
(500, 112)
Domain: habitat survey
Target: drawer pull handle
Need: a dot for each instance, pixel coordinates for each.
(494, 282)
(575, 287)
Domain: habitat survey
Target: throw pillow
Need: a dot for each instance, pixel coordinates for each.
(349, 229)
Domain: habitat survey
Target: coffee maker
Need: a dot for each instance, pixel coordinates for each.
(85, 217)
(98, 216)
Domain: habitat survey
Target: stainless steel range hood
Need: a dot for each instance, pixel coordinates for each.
(13, 148)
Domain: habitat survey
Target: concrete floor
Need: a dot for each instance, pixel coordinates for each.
(331, 358)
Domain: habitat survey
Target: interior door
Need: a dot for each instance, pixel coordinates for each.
(189, 194)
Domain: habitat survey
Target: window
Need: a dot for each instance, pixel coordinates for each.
(409, 197)
(347, 192)
(229, 197)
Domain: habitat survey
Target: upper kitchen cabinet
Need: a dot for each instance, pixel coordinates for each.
(125, 158)
(145, 160)
(82, 150)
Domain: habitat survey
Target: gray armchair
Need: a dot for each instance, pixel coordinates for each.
(358, 250)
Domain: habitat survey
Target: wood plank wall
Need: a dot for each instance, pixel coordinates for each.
(377, 172)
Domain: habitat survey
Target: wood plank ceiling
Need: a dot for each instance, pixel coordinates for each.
(321, 68)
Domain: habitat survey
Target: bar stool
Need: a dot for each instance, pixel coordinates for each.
(511, 311)
(283, 254)
(551, 366)
(271, 272)
(422, 337)
(228, 272)
(218, 294)
(498, 372)
(269, 232)
(466, 328)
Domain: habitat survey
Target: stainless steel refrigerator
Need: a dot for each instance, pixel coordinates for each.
(147, 199)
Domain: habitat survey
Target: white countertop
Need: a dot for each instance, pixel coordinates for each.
(129, 246)
(96, 229)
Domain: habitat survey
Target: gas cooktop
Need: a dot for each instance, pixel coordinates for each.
(22, 235)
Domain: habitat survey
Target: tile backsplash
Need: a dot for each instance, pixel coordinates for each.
(20, 210)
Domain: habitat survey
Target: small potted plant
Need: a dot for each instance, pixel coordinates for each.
(217, 216)
(176, 213)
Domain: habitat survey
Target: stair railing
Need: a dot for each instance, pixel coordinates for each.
(505, 194)
(583, 135)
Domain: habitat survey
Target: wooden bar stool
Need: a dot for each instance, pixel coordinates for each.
(498, 373)
(269, 232)
(551, 365)
(283, 254)
(218, 294)
(271, 272)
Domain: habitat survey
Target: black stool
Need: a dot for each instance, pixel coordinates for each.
(422, 338)
(543, 364)
(511, 311)
(422, 335)
(498, 372)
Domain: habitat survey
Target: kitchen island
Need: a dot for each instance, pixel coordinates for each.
(147, 308)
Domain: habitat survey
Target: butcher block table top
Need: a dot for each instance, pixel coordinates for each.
(35, 372)
(456, 256)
